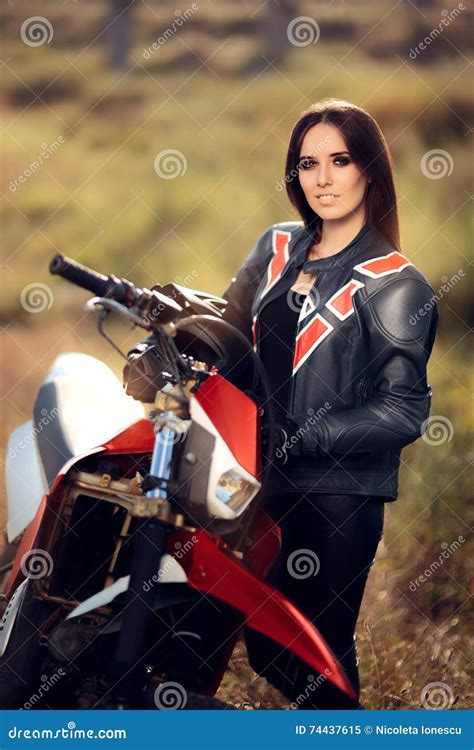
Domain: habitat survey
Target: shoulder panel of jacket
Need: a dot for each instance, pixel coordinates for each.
(404, 310)
(398, 298)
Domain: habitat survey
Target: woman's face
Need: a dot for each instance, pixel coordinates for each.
(332, 183)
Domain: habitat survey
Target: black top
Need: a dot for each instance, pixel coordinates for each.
(278, 321)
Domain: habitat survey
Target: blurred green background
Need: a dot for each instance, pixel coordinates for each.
(88, 108)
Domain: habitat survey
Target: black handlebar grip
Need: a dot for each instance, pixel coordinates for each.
(81, 275)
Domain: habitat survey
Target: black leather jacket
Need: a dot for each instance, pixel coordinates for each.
(359, 391)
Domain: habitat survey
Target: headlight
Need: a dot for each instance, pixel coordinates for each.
(235, 491)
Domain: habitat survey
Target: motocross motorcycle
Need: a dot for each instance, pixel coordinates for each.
(142, 548)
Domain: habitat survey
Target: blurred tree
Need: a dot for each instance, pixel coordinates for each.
(273, 28)
(275, 25)
(119, 31)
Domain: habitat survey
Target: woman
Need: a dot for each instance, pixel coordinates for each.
(329, 303)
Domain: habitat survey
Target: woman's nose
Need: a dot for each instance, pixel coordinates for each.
(324, 177)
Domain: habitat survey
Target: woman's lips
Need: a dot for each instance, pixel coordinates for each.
(326, 200)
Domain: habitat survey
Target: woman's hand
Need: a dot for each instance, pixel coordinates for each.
(142, 375)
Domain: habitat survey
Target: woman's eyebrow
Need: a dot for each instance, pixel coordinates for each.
(336, 153)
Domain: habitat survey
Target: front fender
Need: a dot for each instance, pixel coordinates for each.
(215, 570)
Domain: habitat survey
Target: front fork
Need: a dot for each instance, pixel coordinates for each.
(126, 673)
(168, 430)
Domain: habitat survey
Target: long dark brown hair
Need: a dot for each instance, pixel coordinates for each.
(369, 150)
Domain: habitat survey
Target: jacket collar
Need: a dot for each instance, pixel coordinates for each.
(336, 261)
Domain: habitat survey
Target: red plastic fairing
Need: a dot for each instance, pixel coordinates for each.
(138, 438)
(213, 571)
(234, 415)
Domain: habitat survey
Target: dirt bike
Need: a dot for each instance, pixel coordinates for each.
(141, 544)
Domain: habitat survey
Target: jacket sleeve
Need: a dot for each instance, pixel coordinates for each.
(241, 291)
(401, 320)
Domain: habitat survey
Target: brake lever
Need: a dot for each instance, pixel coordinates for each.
(111, 305)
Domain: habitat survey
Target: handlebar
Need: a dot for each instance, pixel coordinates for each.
(97, 283)
(152, 303)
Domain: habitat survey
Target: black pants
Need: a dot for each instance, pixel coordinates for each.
(328, 546)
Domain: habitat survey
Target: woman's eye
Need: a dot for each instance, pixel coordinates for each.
(310, 163)
(307, 164)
